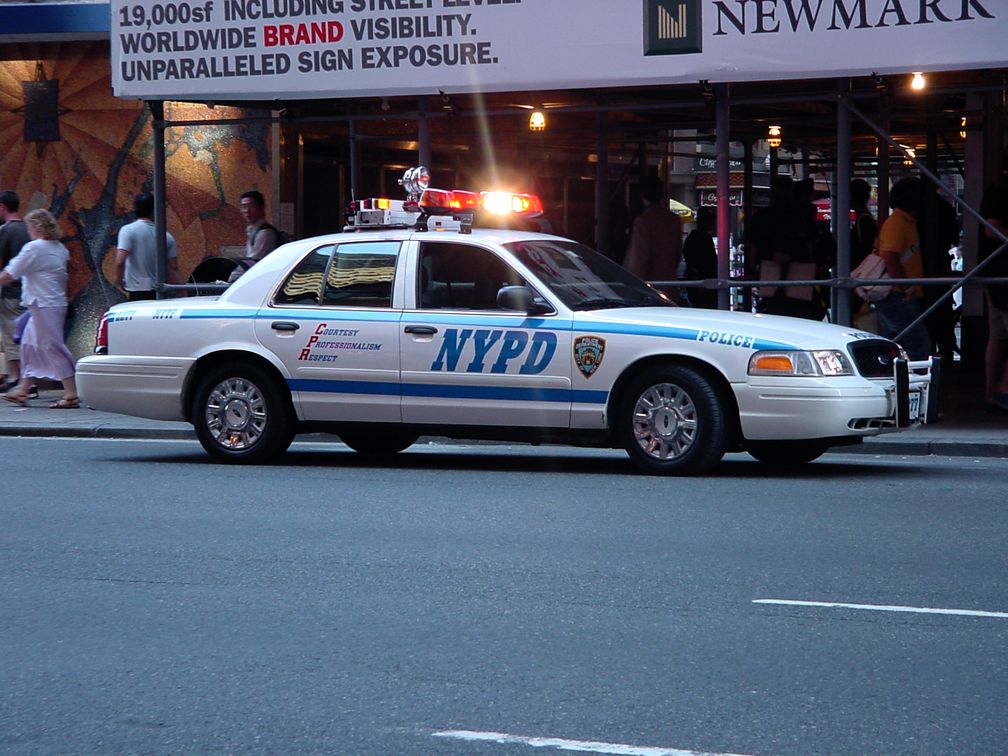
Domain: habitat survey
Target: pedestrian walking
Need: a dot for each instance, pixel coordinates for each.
(136, 253)
(864, 229)
(13, 236)
(655, 248)
(899, 247)
(700, 256)
(994, 209)
(41, 266)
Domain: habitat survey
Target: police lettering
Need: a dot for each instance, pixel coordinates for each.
(728, 339)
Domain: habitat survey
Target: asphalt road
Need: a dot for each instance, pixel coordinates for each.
(471, 600)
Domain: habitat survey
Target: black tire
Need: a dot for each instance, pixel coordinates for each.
(671, 422)
(377, 442)
(786, 453)
(242, 415)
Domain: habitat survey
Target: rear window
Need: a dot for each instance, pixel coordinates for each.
(354, 274)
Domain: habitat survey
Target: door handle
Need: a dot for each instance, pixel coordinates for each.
(284, 325)
(421, 330)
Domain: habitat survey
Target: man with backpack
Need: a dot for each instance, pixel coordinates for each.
(261, 237)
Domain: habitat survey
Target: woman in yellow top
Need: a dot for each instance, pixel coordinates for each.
(899, 247)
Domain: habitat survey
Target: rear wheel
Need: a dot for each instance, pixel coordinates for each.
(671, 422)
(241, 415)
(375, 442)
(786, 453)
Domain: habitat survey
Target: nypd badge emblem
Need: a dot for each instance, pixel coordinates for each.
(588, 353)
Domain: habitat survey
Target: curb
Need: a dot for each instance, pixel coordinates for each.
(37, 431)
(936, 448)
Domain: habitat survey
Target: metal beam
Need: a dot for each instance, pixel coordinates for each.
(722, 128)
(160, 201)
(841, 225)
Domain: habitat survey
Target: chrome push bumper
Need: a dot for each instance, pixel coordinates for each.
(915, 386)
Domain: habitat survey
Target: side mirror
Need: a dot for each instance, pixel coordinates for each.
(520, 298)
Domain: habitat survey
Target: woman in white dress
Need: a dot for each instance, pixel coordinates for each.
(41, 266)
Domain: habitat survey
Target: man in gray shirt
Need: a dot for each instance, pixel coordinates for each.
(136, 253)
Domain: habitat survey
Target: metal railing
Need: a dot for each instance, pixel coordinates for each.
(955, 283)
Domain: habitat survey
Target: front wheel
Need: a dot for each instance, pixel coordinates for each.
(671, 422)
(786, 453)
(241, 415)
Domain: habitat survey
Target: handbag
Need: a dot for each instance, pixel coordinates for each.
(20, 323)
(872, 267)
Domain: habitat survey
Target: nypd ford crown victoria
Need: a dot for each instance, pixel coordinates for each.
(412, 322)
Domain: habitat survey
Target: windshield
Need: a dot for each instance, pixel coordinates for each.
(582, 278)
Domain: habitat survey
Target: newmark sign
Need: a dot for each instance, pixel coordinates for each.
(298, 49)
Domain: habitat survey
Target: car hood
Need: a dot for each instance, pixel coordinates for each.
(757, 331)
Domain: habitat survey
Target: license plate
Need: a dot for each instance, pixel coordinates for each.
(915, 400)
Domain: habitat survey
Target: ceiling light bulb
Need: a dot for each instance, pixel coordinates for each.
(774, 136)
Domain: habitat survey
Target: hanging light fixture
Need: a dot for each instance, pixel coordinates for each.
(774, 136)
(918, 82)
(537, 121)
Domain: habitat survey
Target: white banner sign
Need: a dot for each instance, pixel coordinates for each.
(296, 49)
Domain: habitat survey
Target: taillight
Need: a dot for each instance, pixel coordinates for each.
(101, 336)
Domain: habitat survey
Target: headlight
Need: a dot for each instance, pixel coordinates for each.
(820, 362)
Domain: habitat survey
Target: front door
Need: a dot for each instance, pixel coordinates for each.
(467, 361)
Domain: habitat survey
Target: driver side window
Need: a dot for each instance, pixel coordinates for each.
(461, 277)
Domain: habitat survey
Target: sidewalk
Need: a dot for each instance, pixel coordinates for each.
(964, 429)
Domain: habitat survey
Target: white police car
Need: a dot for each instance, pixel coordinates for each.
(422, 325)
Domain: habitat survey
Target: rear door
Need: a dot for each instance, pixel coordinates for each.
(334, 325)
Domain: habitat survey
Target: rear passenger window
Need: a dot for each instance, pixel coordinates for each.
(303, 285)
(360, 274)
(357, 274)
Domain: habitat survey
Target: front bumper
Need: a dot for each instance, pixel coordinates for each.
(792, 408)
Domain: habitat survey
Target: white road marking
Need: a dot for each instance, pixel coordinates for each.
(885, 608)
(561, 744)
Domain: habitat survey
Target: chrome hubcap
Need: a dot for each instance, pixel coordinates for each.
(665, 421)
(236, 413)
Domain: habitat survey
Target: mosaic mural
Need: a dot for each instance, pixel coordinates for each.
(68, 145)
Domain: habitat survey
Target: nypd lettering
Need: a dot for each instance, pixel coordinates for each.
(588, 354)
(326, 340)
(117, 316)
(485, 350)
(726, 338)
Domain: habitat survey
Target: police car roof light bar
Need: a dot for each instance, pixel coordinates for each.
(438, 209)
